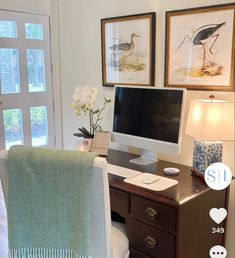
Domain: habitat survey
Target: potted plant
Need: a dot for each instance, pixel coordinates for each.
(83, 104)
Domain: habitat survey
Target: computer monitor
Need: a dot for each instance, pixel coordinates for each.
(148, 118)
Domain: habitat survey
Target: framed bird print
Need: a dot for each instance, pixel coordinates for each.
(128, 50)
(200, 48)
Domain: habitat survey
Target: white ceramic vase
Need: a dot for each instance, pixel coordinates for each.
(84, 144)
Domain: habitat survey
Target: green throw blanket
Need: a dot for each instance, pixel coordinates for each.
(48, 202)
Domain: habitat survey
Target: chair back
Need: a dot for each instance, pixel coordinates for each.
(99, 206)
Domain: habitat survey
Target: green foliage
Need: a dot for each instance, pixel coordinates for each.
(12, 118)
(107, 100)
(37, 115)
(84, 133)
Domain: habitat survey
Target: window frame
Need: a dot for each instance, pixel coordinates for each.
(25, 99)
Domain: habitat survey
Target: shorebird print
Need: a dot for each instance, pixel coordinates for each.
(202, 36)
(125, 49)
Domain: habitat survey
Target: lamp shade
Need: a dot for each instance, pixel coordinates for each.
(211, 120)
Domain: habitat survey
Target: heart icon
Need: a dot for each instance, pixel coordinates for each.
(218, 215)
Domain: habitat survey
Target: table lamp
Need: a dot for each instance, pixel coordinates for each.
(210, 121)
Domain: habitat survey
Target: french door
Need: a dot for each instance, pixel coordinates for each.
(26, 100)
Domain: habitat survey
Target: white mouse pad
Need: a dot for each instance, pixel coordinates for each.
(161, 183)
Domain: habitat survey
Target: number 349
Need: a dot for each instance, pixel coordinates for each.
(217, 230)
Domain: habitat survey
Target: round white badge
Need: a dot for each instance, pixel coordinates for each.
(218, 176)
(218, 251)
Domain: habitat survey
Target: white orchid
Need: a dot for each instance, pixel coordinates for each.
(83, 102)
(84, 98)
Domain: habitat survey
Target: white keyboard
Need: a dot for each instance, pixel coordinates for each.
(121, 171)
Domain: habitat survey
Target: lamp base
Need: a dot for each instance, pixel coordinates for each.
(205, 154)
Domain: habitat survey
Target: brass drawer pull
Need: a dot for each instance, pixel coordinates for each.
(150, 242)
(152, 214)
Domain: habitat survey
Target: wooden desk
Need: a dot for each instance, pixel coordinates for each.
(173, 223)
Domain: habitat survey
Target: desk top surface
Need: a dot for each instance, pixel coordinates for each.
(189, 186)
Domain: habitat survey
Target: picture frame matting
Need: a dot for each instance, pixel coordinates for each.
(196, 56)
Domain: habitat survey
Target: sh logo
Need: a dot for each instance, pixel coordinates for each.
(218, 176)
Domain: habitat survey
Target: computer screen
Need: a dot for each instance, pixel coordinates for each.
(148, 118)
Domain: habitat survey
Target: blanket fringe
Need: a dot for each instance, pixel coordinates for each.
(29, 252)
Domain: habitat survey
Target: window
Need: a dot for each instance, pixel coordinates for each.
(26, 102)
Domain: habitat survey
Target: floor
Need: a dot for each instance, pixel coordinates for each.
(3, 226)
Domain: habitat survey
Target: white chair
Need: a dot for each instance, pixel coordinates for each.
(107, 240)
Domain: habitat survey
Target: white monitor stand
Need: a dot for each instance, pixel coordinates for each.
(147, 157)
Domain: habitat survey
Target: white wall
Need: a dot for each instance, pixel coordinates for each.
(32, 6)
(81, 57)
(80, 49)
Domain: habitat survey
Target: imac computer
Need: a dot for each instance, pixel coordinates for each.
(150, 119)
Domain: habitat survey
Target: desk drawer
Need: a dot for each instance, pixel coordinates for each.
(154, 213)
(119, 201)
(151, 241)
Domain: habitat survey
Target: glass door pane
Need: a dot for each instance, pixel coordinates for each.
(33, 31)
(8, 29)
(13, 127)
(36, 70)
(39, 127)
(9, 71)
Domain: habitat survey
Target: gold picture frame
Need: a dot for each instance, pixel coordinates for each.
(199, 48)
(128, 50)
